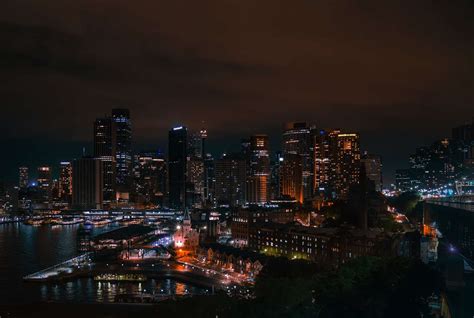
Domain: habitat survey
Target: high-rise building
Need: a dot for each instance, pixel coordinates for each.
(177, 158)
(291, 177)
(45, 183)
(275, 181)
(87, 183)
(105, 149)
(197, 144)
(336, 158)
(195, 169)
(297, 141)
(258, 176)
(65, 181)
(23, 177)
(373, 169)
(324, 156)
(123, 154)
(209, 179)
(195, 179)
(230, 175)
(149, 177)
(347, 166)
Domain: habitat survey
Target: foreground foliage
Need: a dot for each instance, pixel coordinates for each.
(365, 287)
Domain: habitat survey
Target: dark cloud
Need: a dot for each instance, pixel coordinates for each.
(399, 72)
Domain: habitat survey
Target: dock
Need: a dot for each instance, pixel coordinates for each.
(65, 269)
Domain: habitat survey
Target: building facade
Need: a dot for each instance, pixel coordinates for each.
(65, 181)
(45, 183)
(258, 176)
(243, 219)
(23, 177)
(373, 169)
(177, 159)
(297, 142)
(87, 184)
(105, 149)
(230, 176)
(123, 149)
(332, 246)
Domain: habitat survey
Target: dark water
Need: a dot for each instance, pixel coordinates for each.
(26, 249)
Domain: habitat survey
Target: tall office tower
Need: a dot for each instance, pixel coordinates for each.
(177, 157)
(231, 176)
(45, 182)
(65, 181)
(123, 155)
(347, 167)
(197, 143)
(195, 179)
(373, 169)
(55, 192)
(23, 177)
(258, 177)
(149, 177)
(105, 149)
(297, 141)
(275, 167)
(291, 177)
(87, 184)
(324, 156)
(209, 167)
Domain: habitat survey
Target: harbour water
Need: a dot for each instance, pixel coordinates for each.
(25, 249)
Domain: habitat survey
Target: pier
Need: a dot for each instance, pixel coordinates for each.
(65, 269)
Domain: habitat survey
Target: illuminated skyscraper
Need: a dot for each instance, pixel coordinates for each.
(209, 167)
(23, 177)
(373, 169)
(347, 168)
(177, 158)
(275, 181)
(291, 177)
(123, 154)
(230, 180)
(197, 144)
(195, 169)
(65, 181)
(297, 141)
(105, 149)
(45, 182)
(325, 158)
(195, 179)
(258, 176)
(87, 184)
(150, 177)
(336, 162)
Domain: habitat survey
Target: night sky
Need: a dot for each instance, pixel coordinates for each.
(401, 74)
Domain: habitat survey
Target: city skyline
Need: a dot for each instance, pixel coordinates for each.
(215, 146)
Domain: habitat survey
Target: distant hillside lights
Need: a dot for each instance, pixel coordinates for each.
(435, 169)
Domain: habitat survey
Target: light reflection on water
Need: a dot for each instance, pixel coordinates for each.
(87, 290)
(26, 249)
